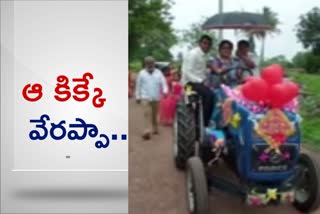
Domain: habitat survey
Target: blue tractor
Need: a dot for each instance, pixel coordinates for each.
(268, 174)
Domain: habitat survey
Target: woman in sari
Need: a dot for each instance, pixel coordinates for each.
(223, 67)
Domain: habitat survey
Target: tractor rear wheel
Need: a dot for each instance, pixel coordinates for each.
(184, 134)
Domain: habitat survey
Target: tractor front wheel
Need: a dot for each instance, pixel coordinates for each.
(307, 195)
(197, 187)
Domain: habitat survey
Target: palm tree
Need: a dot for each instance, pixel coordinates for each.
(272, 20)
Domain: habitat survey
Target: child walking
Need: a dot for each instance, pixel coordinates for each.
(150, 85)
(168, 103)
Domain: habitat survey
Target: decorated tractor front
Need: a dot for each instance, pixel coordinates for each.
(264, 126)
(263, 122)
(266, 152)
(266, 144)
(255, 128)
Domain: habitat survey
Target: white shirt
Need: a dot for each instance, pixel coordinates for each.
(149, 85)
(194, 66)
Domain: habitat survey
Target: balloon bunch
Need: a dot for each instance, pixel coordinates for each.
(270, 89)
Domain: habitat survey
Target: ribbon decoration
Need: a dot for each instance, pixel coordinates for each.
(189, 91)
(271, 194)
(235, 120)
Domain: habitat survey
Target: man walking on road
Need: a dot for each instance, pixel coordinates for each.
(194, 70)
(150, 85)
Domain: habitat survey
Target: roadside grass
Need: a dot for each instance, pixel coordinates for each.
(309, 107)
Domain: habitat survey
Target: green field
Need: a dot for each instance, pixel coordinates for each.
(309, 107)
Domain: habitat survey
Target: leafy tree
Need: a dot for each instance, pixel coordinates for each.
(308, 33)
(308, 30)
(281, 59)
(299, 60)
(312, 63)
(192, 35)
(308, 61)
(150, 31)
(273, 21)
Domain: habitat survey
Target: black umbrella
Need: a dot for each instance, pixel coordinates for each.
(237, 20)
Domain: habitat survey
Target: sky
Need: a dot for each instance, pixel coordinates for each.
(186, 12)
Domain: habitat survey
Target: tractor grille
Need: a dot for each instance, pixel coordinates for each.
(262, 161)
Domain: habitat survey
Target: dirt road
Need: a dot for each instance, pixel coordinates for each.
(157, 187)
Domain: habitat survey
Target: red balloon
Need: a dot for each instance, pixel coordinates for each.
(279, 95)
(292, 88)
(260, 88)
(249, 78)
(246, 91)
(272, 74)
(255, 89)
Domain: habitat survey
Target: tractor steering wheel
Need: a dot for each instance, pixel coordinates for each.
(240, 76)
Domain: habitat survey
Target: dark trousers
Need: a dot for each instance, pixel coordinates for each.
(207, 97)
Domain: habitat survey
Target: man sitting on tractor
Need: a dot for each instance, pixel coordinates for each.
(246, 59)
(194, 73)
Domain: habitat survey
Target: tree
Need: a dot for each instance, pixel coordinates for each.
(308, 30)
(272, 20)
(299, 60)
(280, 59)
(192, 35)
(150, 31)
(308, 61)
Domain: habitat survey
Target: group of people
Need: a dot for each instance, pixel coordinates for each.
(202, 73)
(158, 92)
